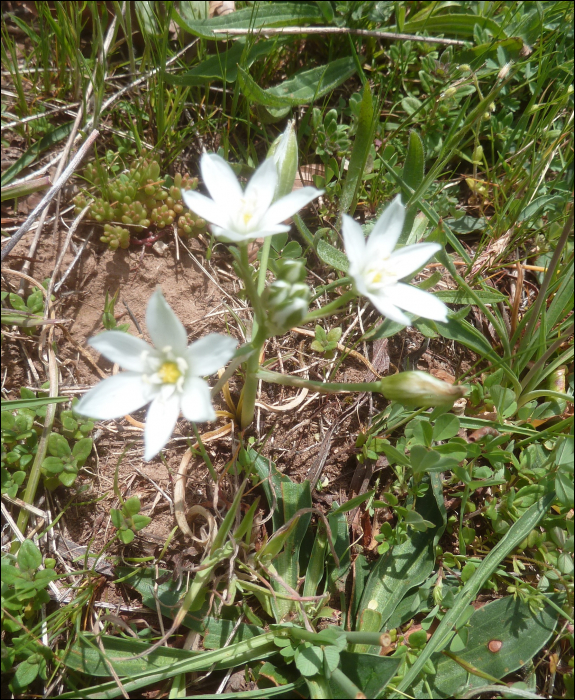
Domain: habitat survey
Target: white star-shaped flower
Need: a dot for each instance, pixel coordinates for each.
(241, 216)
(169, 375)
(377, 269)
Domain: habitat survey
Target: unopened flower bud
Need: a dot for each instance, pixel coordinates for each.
(449, 92)
(420, 389)
(286, 304)
(290, 270)
(284, 152)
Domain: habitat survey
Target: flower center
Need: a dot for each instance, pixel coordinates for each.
(246, 212)
(379, 274)
(169, 373)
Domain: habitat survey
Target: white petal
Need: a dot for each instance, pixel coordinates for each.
(417, 301)
(262, 186)
(221, 182)
(197, 401)
(164, 327)
(287, 206)
(206, 208)
(387, 230)
(160, 423)
(122, 348)
(209, 353)
(353, 241)
(406, 261)
(115, 397)
(385, 307)
(225, 234)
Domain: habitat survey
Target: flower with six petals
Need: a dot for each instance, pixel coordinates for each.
(168, 375)
(240, 216)
(377, 269)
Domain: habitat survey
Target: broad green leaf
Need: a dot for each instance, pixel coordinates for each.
(360, 151)
(274, 14)
(445, 427)
(309, 661)
(162, 663)
(302, 88)
(507, 620)
(168, 593)
(413, 168)
(407, 564)
(217, 632)
(370, 673)
(443, 634)
(332, 256)
(29, 557)
(222, 66)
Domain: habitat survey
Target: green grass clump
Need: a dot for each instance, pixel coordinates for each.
(138, 199)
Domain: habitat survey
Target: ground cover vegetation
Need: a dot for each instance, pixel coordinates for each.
(358, 217)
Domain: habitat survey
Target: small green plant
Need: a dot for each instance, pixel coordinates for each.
(24, 584)
(108, 319)
(326, 343)
(138, 199)
(64, 463)
(127, 521)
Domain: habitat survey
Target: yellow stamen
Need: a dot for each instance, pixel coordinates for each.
(169, 373)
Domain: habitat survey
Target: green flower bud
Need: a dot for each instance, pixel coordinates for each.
(286, 304)
(420, 389)
(284, 152)
(291, 270)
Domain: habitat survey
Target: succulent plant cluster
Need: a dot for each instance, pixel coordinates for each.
(139, 199)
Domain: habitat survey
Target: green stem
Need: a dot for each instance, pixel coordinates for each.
(330, 308)
(557, 395)
(250, 389)
(344, 281)
(251, 289)
(325, 387)
(264, 264)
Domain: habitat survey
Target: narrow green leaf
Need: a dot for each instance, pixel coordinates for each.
(16, 404)
(353, 503)
(359, 153)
